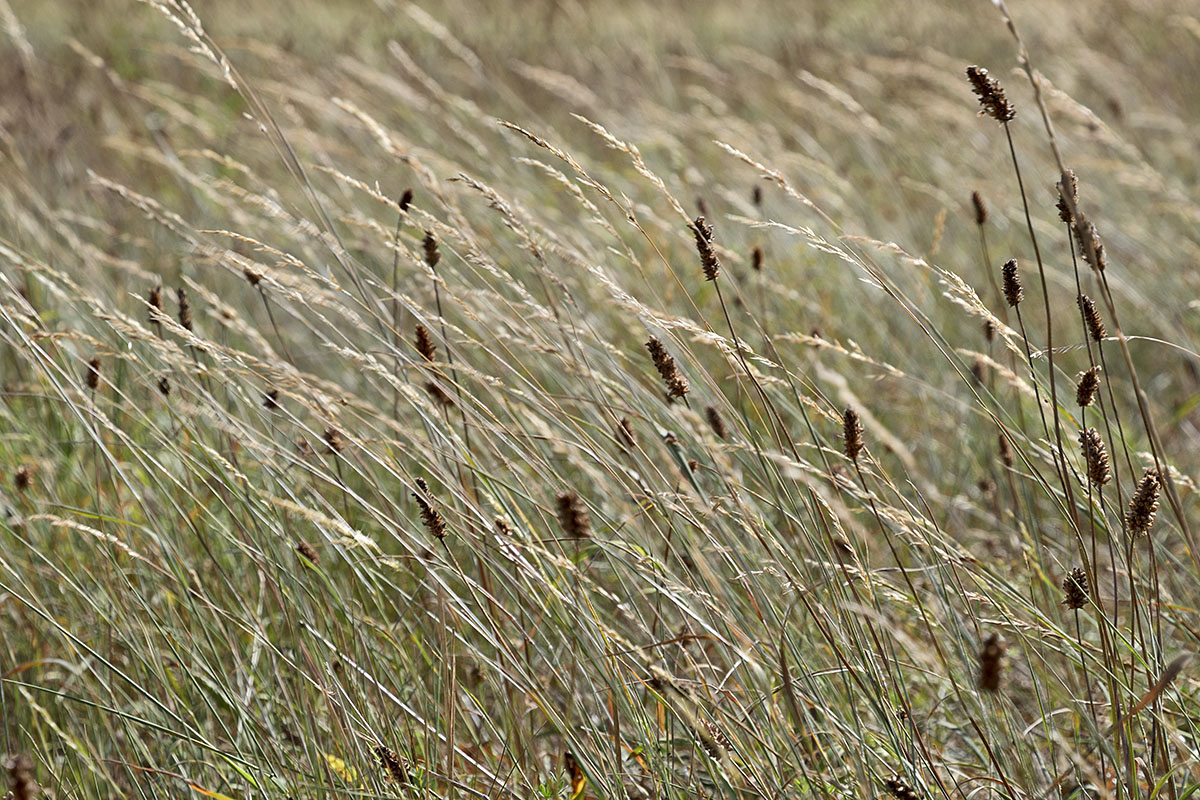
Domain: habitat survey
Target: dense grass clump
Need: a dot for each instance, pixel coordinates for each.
(599, 400)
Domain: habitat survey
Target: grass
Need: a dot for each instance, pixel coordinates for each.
(531, 483)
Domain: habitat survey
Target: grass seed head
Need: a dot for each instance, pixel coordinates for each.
(716, 422)
(573, 516)
(981, 209)
(1143, 506)
(1014, 293)
(1087, 386)
(756, 259)
(334, 440)
(431, 518)
(1068, 187)
(1091, 318)
(899, 789)
(852, 434)
(93, 374)
(1075, 589)
(22, 479)
(992, 100)
(1095, 456)
(185, 308)
(624, 434)
(424, 343)
(308, 553)
(406, 200)
(991, 663)
(704, 245)
(677, 385)
(432, 254)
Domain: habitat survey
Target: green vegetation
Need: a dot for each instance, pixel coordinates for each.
(599, 400)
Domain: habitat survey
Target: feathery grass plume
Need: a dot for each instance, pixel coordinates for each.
(164, 386)
(406, 200)
(1014, 293)
(981, 209)
(430, 516)
(1068, 187)
(392, 764)
(21, 785)
(1088, 239)
(992, 100)
(1143, 506)
(756, 259)
(185, 308)
(991, 663)
(898, 788)
(1095, 456)
(1075, 589)
(1087, 387)
(716, 422)
(308, 553)
(271, 400)
(624, 433)
(1006, 453)
(573, 516)
(677, 385)
(1091, 316)
(756, 195)
(22, 478)
(704, 245)
(333, 440)
(852, 434)
(424, 343)
(93, 374)
(432, 254)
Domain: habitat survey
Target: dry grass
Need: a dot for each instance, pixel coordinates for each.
(314, 488)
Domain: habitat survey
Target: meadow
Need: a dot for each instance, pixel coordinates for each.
(562, 399)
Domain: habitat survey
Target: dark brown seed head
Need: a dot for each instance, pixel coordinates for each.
(573, 516)
(991, 663)
(979, 370)
(1006, 453)
(185, 308)
(992, 101)
(93, 374)
(1088, 239)
(677, 385)
(756, 259)
(852, 434)
(392, 764)
(1091, 318)
(430, 516)
(989, 330)
(154, 298)
(1143, 506)
(1075, 588)
(1095, 456)
(406, 200)
(898, 788)
(1068, 187)
(164, 386)
(1014, 293)
(981, 209)
(1087, 387)
(704, 245)
(22, 478)
(713, 740)
(252, 277)
(624, 433)
(271, 400)
(716, 422)
(424, 343)
(333, 440)
(432, 254)
(308, 552)
(21, 785)
(439, 394)
(756, 195)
